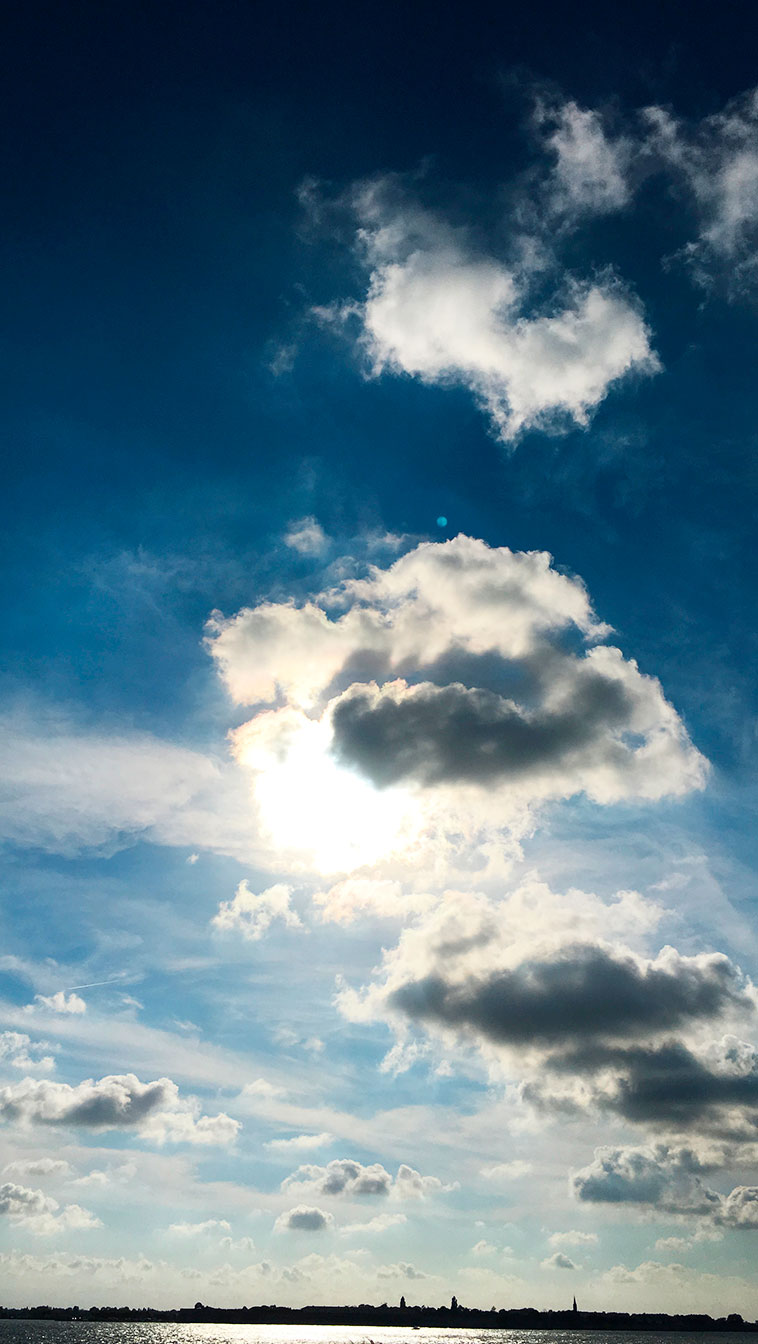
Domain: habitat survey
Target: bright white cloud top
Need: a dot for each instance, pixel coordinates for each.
(456, 689)
(437, 310)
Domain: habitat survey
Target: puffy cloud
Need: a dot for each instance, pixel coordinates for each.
(559, 1260)
(303, 1218)
(345, 1176)
(119, 1101)
(410, 1184)
(187, 1126)
(537, 984)
(440, 735)
(439, 310)
(740, 1208)
(434, 703)
(342, 1177)
(61, 1002)
(532, 972)
(714, 1088)
(584, 993)
(307, 537)
(668, 1179)
(41, 1214)
(251, 915)
(23, 1053)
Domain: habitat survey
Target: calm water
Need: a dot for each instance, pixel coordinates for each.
(167, 1332)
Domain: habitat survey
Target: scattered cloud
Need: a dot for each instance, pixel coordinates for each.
(716, 161)
(61, 1002)
(438, 308)
(18, 1049)
(252, 915)
(559, 1260)
(119, 1101)
(590, 168)
(41, 1214)
(303, 1218)
(532, 976)
(307, 537)
(345, 1176)
(667, 1179)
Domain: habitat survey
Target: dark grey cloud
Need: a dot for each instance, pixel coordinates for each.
(457, 734)
(667, 1084)
(304, 1219)
(584, 993)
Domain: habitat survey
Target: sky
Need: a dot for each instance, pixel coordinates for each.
(378, 685)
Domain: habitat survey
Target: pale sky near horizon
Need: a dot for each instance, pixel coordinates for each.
(379, 698)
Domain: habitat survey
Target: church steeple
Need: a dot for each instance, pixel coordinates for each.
(574, 1308)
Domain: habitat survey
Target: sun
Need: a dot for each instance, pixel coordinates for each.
(311, 808)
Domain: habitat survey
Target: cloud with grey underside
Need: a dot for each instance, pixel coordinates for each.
(667, 1178)
(448, 734)
(585, 992)
(666, 1084)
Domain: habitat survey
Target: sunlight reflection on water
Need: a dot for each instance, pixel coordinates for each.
(171, 1332)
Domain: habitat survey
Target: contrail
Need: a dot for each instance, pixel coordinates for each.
(94, 984)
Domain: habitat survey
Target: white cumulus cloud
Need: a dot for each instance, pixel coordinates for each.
(251, 915)
(438, 309)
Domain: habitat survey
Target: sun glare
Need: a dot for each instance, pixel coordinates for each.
(311, 807)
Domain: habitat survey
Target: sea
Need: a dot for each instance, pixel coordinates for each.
(170, 1332)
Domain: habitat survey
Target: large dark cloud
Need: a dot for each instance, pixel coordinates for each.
(458, 734)
(585, 993)
(668, 1084)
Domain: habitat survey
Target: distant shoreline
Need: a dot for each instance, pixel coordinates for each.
(524, 1318)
